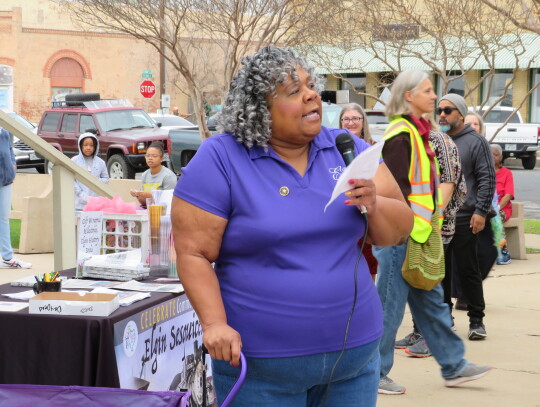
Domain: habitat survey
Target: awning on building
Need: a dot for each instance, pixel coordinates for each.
(507, 52)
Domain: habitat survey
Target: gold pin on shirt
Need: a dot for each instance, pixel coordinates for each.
(284, 191)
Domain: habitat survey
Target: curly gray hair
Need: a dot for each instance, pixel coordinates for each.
(245, 111)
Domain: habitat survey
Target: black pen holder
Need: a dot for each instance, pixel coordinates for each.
(41, 286)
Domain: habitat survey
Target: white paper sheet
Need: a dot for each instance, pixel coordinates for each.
(124, 297)
(7, 306)
(363, 166)
(76, 283)
(25, 295)
(153, 287)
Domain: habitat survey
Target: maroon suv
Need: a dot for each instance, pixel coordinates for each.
(124, 132)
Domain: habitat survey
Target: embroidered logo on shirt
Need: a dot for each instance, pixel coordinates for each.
(336, 172)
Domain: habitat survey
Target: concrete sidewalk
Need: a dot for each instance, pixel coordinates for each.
(512, 295)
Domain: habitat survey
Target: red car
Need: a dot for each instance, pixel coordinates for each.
(124, 132)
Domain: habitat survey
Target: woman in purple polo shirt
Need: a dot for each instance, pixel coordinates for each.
(282, 289)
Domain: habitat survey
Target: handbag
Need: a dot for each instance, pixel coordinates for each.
(424, 266)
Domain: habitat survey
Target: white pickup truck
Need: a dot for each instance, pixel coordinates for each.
(517, 139)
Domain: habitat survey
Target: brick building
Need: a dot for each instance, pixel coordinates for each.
(43, 54)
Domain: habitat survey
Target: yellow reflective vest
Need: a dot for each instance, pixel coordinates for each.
(420, 198)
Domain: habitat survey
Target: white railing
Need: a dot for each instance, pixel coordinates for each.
(64, 173)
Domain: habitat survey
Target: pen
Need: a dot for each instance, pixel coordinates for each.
(37, 279)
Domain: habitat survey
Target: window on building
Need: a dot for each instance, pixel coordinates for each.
(67, 76)
(356, 81)
(535, 100)
(60, 91)
(6, 75)
(6, 87)
(501, 80)
(392, 32)
(353, 83)
(456, 84)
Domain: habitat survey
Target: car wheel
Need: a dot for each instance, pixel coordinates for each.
(529, 162)
(119, 168)
(41, 169)
(47, 167)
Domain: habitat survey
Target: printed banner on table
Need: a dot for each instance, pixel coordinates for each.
(160, 349)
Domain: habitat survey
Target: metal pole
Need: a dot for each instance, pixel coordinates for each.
(162, 79)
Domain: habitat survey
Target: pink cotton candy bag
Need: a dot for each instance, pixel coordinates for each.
(115, 205)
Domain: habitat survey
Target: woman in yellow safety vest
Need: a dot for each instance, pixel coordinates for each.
(410, 158)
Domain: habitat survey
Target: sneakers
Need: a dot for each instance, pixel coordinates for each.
(477, 331)
(505, 258)
(419, 349)
(471, 372)
(409, 340)
(14, 264)
(461, 304)
(388, 386)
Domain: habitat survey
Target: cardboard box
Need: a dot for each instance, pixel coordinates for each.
(72, 303)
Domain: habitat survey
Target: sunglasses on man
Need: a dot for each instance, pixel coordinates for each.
(447, 110)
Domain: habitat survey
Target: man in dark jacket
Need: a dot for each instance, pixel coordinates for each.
(7, 175)
(479, 171)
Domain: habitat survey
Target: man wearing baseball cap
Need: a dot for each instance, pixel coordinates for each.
(479, 171)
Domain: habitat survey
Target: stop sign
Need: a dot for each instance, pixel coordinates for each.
(148, 89)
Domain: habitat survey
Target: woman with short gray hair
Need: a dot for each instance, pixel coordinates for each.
(283, 287)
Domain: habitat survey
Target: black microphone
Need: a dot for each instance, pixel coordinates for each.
(345, 145)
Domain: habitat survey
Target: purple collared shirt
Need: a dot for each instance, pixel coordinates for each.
(286, 267)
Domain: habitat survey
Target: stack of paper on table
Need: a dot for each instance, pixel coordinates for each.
(76, 283)
(122, 266)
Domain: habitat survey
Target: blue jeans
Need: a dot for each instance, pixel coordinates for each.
(302, 381)
(5, 208)
(429, 311)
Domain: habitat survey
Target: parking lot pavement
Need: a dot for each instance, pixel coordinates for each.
(512, 346)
